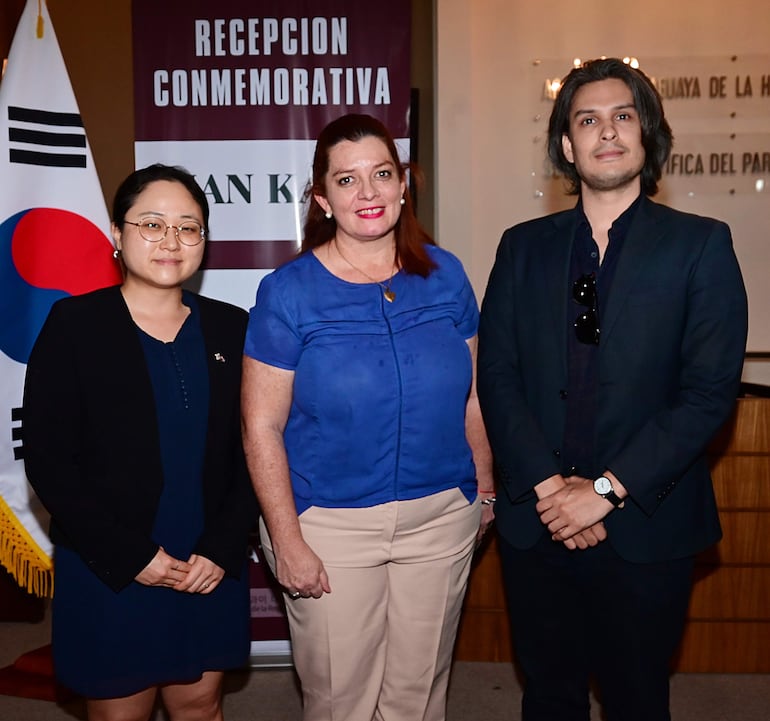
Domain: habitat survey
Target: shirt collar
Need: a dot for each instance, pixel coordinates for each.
(620, 225)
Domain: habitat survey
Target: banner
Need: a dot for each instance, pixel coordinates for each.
(53, 243)
(237, 92)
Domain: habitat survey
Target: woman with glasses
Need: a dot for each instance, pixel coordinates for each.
(132, 442)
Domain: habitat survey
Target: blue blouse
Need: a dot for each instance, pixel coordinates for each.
(380, 389)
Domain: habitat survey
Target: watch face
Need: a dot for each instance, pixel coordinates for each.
(602, 486)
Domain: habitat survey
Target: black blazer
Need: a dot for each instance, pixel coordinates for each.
(91, 446)
(670, 359)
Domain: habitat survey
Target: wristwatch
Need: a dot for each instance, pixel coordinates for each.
(603, 486)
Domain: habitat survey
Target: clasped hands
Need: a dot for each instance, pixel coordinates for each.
(572, 511)
(196, 575)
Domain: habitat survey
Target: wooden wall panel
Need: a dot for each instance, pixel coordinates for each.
(746, 537)
(731, 592)
(725, 647)
(748, 431)
(728, 625)
(485, 635)
(742, 482)
(485, 589)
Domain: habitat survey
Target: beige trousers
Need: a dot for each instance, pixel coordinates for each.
(379, 646)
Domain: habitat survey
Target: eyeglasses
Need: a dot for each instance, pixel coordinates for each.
(587, 323)
(154, 230)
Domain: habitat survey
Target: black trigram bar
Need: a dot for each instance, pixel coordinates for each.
(17, 434)
(18, 133)
(44, 117)
(59, 160)
(40, 137)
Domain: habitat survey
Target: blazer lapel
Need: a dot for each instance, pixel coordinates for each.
(637, 253)
(556, 269)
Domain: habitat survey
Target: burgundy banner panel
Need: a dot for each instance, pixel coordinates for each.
(239, 69)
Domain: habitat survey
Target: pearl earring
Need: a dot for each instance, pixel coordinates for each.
(328, 215)
(116, 253)
(403, 201)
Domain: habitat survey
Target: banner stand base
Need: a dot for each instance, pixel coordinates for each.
(270, 654)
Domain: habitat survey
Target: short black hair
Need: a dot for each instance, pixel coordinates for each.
(657, 138)
(134, 184)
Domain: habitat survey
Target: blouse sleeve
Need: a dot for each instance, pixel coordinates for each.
(272, 336)
(467, 320)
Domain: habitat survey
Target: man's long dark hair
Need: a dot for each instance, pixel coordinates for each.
(657, 138)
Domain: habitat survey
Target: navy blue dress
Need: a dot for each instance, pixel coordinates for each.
(109, 644)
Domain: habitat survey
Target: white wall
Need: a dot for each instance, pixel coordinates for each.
(485, 127)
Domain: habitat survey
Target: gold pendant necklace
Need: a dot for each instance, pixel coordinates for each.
(390, 296)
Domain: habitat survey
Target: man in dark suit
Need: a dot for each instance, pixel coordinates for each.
(610, 351)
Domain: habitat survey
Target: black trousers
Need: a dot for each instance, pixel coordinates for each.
(578, 615)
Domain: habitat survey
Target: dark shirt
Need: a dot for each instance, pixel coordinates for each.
(579, 447)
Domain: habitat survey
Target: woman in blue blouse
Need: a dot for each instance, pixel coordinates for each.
(364, 438)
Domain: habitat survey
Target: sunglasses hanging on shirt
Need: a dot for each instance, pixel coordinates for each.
(587, 323)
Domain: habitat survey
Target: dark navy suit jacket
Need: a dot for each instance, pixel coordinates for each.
(670, 359)
(91, 445)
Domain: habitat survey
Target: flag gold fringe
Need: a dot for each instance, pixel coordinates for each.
(20, 554)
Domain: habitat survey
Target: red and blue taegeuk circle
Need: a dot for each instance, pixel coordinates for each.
(46, 254)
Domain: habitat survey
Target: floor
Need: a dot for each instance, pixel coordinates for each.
(478, 692)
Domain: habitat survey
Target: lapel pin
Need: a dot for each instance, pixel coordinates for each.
(219, 357)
